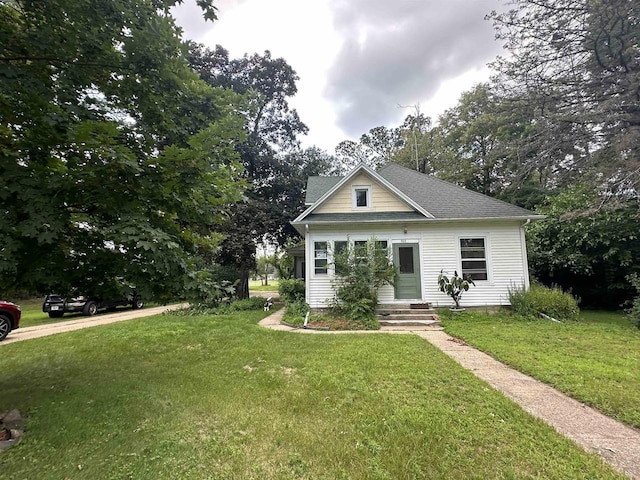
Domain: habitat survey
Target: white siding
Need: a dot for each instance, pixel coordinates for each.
(439, 250)
(505, 262)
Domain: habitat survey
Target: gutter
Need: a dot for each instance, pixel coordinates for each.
(421, 220)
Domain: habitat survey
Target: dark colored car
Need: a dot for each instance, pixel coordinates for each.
(10, 314)
(57, 305)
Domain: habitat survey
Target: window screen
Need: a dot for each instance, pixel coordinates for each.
(361, 197)
(474, 259)
(320, 257)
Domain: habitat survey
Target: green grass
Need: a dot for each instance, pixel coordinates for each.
(220, 397)
(595, 360)
(256, 286)
(32, 313)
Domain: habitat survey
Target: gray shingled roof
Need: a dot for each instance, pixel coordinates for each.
(318, 186)
(446, 200)
(441, 199)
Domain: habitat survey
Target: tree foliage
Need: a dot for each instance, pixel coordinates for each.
(374, 148)
(586, 246)
(116, 159)
(271, 128)
(578, 64)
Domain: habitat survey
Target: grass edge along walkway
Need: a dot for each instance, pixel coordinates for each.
(614, 442)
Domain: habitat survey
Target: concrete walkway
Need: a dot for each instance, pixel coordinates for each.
(28, 333)
(617, 444)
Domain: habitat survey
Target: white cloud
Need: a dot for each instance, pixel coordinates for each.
(359, 59)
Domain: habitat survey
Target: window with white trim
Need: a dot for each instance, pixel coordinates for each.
(320, 258)
(473, 254)
(361, 196)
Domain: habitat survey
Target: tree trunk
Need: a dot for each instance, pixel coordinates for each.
(243, 285)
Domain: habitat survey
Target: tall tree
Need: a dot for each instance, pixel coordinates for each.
(578, 64)
(115, 159)
(272, 128)
(420, 146)
(471, 132)
(374, 148)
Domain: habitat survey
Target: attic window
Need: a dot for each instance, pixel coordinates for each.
(361, 196)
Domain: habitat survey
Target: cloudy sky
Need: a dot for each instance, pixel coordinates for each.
(361, 63)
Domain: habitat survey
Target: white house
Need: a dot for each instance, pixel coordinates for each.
(427, 224)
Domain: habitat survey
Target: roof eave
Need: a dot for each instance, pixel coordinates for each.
(531, 218)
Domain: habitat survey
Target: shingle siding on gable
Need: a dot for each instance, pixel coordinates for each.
(381, 199)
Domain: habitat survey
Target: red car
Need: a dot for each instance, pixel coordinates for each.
(9, 318)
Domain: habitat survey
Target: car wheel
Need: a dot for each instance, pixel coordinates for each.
(137, 303)
(90, 309)
(5, 327)
(55, 314)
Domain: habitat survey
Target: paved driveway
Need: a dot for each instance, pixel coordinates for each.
(83, 322)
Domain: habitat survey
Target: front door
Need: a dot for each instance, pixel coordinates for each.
(406, 259)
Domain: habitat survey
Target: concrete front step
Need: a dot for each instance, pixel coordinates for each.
(408, 323)
(404, 311)
(404, 316)
(405, 306)
(420, 314)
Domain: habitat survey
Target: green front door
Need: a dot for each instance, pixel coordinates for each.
(406, 258)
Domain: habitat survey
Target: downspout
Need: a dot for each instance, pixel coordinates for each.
(525, 260)
(307, 264)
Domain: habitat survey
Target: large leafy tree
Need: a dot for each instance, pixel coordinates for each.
(271, 128)
(588, 243)
(115, 158)
(420, 146)
(374, 148)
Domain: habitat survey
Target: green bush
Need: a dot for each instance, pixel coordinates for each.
(203, 289)
(540, 299)
(363, 269)
(634, 311)
(253, 303)
(295, 313)
(291, 290)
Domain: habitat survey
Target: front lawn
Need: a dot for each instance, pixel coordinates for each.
(595, 360)
(220, 397)
(256, 286)
(32, 313)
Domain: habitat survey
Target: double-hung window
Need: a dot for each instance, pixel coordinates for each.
(473, 254)
(320, 258)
